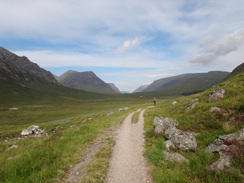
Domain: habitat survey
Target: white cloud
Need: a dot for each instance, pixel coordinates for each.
(129, 44)
(225, 45)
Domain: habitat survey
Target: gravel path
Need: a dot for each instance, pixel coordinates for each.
(127, 164)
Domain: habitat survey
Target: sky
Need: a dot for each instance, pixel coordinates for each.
(126, 42)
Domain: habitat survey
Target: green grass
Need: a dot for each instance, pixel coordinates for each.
(46, 159)
(43, 111)
(135, 117)
(207, 125)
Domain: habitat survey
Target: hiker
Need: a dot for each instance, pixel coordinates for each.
(154, 101)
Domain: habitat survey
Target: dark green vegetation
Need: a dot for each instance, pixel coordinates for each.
(207, 125)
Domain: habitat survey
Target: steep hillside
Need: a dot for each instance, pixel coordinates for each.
(114, 87)
(190, 82)
(87, 81)
(141, 88)
(210, 122)
(23, 80)
(21, 69)
(237, 70)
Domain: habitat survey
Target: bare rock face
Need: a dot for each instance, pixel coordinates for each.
(162, 124)
(217, 95)
(174, 156)
(192, 104)
(184, 141)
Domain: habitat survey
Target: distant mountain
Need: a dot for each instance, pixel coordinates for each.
(114, 87)
(184, 84)
(21, 70)
(87, 81)
(140, 89)
(124, 92)
(22, 80)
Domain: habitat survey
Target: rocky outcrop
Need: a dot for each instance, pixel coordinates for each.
(162, 124)
(218, 94)
(176, 138)
(184, 141)
(223, 162)
(174, 156)
(32, 130)
(226, 146)
(192, 104)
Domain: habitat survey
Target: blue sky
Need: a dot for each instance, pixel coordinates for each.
(129, 43)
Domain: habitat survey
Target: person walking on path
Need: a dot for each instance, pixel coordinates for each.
(155, 101)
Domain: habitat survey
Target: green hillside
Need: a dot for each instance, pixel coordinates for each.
(206, 125)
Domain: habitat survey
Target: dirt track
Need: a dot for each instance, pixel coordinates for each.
(127, 164)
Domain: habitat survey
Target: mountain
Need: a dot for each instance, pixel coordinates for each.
(21, 70)
(140, 89)
(114, 87)
(22, 80)
(87, 81)
(188, 83)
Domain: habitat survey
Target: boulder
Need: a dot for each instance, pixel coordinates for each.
(174, 103)
(223, 162)
(192, 104)
(218, 94)
(123, 109)
(215, 109)
(174, 156)
(184, 141)
(32, 130)
(162, 124)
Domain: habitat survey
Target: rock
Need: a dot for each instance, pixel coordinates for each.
(184, 141)
(174, 156)
(162, 124)
(215, 109)
(110, 113)
(35, 130)
(212, 148)
(192, 104)
(223, 162)
(12, 147)
(239, 136)
(221, 142)
(169, 144)
(123, 109)
(217, 95)
(174, 103)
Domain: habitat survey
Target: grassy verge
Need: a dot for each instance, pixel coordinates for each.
(46, 159)
(135, 116)
(97, 170)
(207, 125)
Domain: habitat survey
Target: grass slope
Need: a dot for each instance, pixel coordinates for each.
(207, 125)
